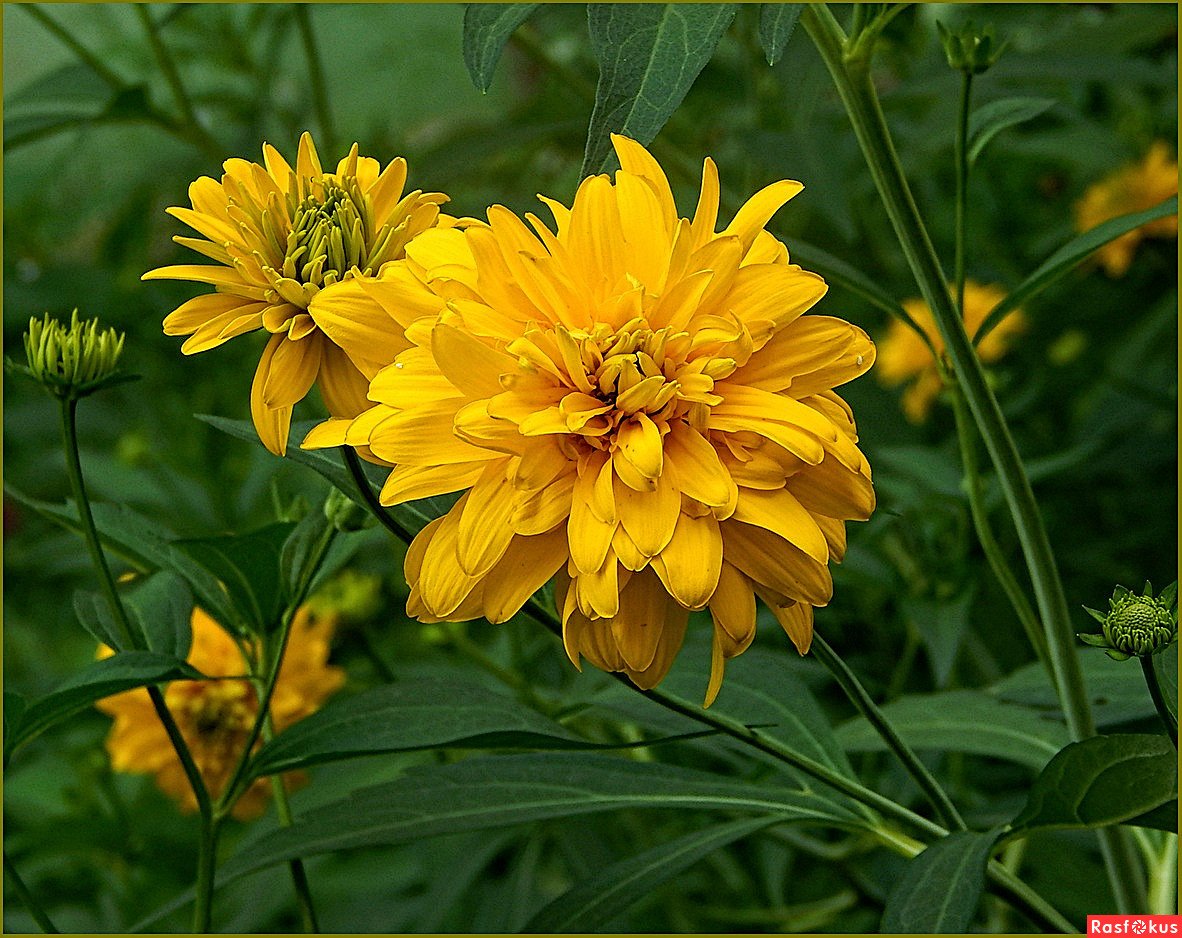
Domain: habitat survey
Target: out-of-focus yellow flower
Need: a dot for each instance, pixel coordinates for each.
(215, 717)
(634, 404)
(902, 355)
(1132, 188)
(278, 237)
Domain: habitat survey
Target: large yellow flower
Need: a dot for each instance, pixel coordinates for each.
(215, 717)
(278, 236)
(635, 405)
(1132, 188)
(903, 356)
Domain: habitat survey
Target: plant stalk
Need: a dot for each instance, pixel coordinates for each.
(44, 922)
(851, 75)
(376, 508)
(299, 875)
(206, 865)
(1159, 701)
(960, 156)
(316, 75)
(853, 689)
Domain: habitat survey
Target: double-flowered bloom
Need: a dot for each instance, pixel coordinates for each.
(631, 403)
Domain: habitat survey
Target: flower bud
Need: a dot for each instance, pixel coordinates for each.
(970, 50)
(73, 360)
(345, 514)
(1136, 626)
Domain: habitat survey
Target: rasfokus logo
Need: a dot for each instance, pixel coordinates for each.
(1134, 924)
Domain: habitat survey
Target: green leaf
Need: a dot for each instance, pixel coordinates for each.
(1073, 253)
(1100, 781)
(1162, 818)
(498, 791)
(487, 27)
(845, 275)
(1165, 666)
(14, 710)
(649, 55)
(141, 542)
(248, 566)
(1113, 691)
(162, 607)
(990, 119)
(941, 887)
(113, 675)
(410, 715)
(776, 22)
(301, 548)
(963, 721)
(94, 614)
(596, 901)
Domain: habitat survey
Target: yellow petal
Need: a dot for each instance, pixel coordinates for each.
(471, 365)
(540, 510)
(642, 616)
(524, 569)
(191, 314)
(758, 210)
(358, 325)
(307, 160)
(598, 592)
(649, 517)
(732, 606)
(271, 424)
(589, 537)
(330, 433)
(706, 214)
(797, 621)
(773, 562)
(779, 512)
(343, 388)
(639, 446)
(484, 531)
(637, 160)
(690, 563)
(700, 472)
(407, 483)
(293, 369)
(443, 584)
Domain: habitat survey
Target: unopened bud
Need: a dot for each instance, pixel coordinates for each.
(73, 360)
(345, 514)
(970, 50)
(1136, 626)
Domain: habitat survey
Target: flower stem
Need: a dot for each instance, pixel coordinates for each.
(858, 696)
(1170, 721)
(387, 520)
(316, 75)
(960, 156)
(299, 875)
(851, 76)
(206, 865)
(26, 896)
(993, 553)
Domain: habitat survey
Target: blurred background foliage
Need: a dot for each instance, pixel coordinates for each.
(95, 151)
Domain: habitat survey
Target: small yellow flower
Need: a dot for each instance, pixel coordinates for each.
(215, 717)
(1132, 188)
(902, 355)
(635, 405)
(278, 237)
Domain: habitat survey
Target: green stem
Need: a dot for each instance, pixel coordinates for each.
(387, 520)
(84, 54)
(1004, 883)
(129, 637)
(993, 552)
(962, 187)
(851, 75)
(299, 875)
(316, 76)
(26, 896)
(866, 706)
(206, 864)
(1170, 721)
(1163, 883)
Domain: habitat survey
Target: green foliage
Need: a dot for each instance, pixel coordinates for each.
(940, 889)
(487, 27)
(990, 119)
(776, 23)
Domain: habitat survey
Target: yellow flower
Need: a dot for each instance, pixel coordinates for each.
(635, 405)
(902, 355)
(215, 717)
(278, 236)
(1133, 188)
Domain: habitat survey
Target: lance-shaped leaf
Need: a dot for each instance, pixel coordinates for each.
(776, 23)
(990, 119)
(487, 27)
(1073, 253)
(649, 55)
(941, 887)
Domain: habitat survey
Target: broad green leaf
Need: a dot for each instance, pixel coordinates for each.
(990, 119)
(14, 710)
(94, 615)
(300, 548)
(487, 27)
(941, 887)
(1117, 695)
(649, 55)
(248, 565)
(596, 901)
(1073, 253)
(776, 22)
(142, 543)
(498, 791)
(963, 721)
(1165, 666)
(1162, 818)
(113, 675)
(1100, 781)
(162, 607)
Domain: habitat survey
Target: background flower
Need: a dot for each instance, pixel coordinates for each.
(635, 404)
(1132, 188)
(903, 356)
(215, 716)
(278, 236)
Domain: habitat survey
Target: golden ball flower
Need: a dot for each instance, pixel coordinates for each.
(633, 404)
(904, 358)
(1132, 188)
(278, 237)
(215, 716)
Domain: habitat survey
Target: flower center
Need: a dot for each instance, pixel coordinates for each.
(330, 233)
(220, 710)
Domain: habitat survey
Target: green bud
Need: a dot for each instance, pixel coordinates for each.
(73, 360)
(970, 50)
(1136, 626)
(345, 514)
